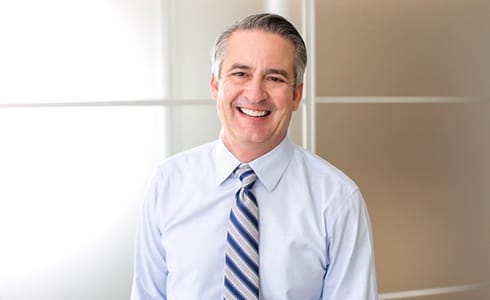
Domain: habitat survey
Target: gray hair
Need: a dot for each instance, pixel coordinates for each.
(270, 23)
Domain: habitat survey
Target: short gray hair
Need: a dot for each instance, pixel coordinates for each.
(270, 23)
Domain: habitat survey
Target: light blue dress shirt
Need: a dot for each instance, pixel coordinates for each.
(315, 235)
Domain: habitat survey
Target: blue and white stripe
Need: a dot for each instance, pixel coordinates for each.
(242, 250)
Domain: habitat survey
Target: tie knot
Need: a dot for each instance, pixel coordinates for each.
(246, 175)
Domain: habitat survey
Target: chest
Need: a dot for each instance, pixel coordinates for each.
(292, 244)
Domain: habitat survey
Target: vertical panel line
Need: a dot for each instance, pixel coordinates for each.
(308, 26)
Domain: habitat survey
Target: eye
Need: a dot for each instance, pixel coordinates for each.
(276, 79)
(239, 74)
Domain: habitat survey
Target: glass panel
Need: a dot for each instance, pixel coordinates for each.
(71, 182)
(78, 51)
(424, 171)
(403, 48)
(192, 126)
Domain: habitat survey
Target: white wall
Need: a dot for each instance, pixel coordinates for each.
(74, 158)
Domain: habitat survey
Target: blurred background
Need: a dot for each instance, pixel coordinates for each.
(93, 94)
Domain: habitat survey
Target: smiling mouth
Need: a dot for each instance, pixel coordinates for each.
(254, 113)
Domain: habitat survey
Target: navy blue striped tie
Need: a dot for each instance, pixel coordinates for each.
(242, 249)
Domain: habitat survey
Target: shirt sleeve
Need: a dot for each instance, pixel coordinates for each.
(351, 270)
(150, 268)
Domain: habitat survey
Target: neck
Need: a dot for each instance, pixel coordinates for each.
(246, 152)
(246, 156)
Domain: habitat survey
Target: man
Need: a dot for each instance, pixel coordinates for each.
(252, 215)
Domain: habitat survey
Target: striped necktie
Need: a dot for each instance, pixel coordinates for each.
(242, 249)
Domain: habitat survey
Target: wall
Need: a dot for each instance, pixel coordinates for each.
(404, 109)
(423, 169)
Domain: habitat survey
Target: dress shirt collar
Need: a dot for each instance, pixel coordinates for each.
(269, 167)
(225, 162)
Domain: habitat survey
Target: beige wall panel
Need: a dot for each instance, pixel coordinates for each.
(403, 48)
(424, 170)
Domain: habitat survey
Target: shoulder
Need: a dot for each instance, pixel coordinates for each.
(181, 170)
(191, 160)
(193, 155)
(337, 196)
(319, 166)
(320, 172)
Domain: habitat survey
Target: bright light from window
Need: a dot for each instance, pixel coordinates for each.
(78, 51)
(71, 183)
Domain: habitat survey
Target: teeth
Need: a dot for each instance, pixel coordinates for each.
(253, 113)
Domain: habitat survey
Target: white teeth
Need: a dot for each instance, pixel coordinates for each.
(253, 113)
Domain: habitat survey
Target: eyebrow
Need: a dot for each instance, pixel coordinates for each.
(268, 71)
(239, 66)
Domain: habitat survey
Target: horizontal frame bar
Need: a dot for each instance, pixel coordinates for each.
(433, 291)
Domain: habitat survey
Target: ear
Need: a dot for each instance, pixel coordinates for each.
(297, 96)
(214, 85)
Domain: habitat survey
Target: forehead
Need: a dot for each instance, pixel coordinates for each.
(259, 48)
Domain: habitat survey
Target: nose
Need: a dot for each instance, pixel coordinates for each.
(255, 90)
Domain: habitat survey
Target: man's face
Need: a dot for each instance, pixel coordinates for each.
(255, 92)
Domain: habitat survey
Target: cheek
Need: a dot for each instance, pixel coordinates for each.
(225, 109)
(230, 90)
(287, 104)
